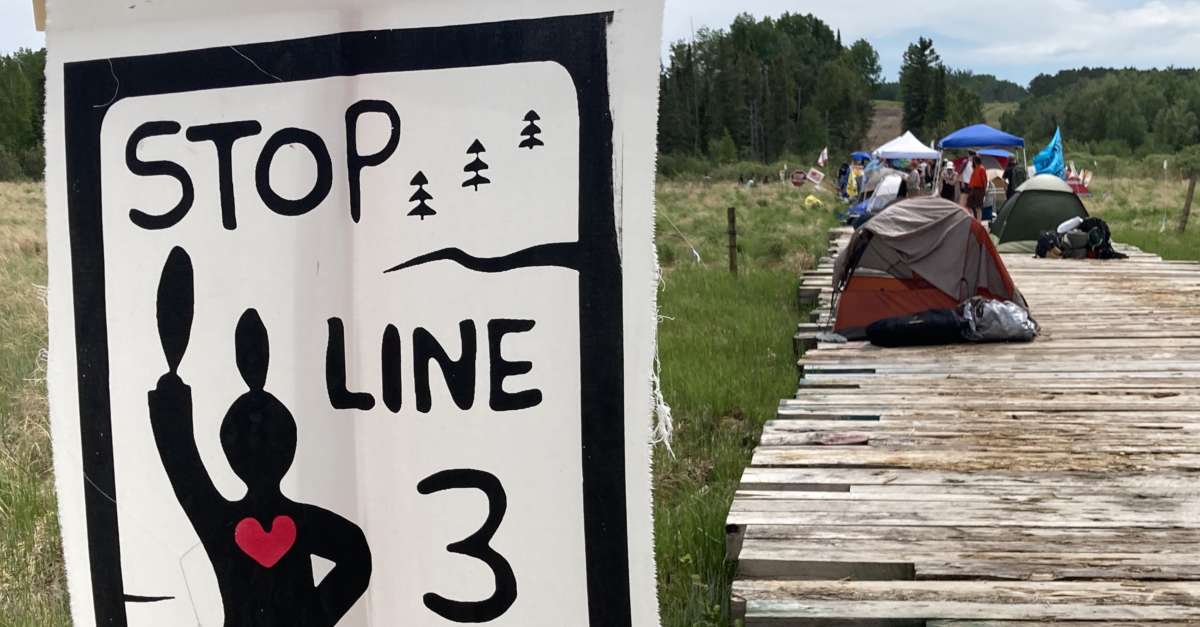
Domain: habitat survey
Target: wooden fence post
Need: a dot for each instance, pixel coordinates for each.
(733, 241)
(1187, 204)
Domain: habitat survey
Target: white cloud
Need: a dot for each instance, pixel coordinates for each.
(1015, 40)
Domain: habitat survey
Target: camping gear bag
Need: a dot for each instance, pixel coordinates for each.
(987, 320)
(1074, 244)
(1100, 239)
(928, 328)
(1046, 243)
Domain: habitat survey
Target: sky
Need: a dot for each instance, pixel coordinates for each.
(1016, 40)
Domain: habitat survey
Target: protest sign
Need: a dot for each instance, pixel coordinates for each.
(352, 311)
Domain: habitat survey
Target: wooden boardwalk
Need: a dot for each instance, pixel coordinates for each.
(1001, 484)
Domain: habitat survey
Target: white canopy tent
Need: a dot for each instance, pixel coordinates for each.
(906, 146)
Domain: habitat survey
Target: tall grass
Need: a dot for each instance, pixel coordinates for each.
(1145, 213)
(727, 359)
(32, 588)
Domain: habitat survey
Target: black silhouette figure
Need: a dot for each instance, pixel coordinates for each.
(530, 131)
(421, 196)
(475, 166)
(259, 546)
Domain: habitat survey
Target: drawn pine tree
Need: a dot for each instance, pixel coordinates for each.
(475, 166)
(422, 209)
(530, 131)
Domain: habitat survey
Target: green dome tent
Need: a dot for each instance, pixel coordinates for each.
(1040, 204)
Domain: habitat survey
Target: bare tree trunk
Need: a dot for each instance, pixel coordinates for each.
(1187, 204)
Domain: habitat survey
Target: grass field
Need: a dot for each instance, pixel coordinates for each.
(992, 111)
(724, 345)
(1145, 213)
(727, 359)
(32, 589)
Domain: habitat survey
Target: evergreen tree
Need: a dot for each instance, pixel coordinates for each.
(22, 109)
(937, 101)
(530, 131)
(865, 61)
(475, 167)
(723, 150)
(963, 108)
(420, 196)
(916, 84)
(758, 80)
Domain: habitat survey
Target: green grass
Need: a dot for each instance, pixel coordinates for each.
(992, 111)
(32, 584)
(1145, 213)
(727, 359)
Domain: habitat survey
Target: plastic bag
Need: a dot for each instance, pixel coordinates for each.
(1070, 225)
(996, 321)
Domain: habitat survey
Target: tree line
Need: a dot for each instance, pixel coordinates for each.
(22, 111)
(1117, 112)
(765, 89)
(986, 86)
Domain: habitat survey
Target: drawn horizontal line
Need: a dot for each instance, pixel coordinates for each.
(134, 598)
(561, 254)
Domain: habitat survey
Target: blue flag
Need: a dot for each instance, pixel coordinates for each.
(1050, 159)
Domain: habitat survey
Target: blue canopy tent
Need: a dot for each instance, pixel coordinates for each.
(984, 139)
(860, 156)
(980, 136)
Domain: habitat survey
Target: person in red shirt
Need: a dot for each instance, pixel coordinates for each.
(977, 187)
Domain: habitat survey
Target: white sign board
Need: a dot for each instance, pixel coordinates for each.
(352, 325)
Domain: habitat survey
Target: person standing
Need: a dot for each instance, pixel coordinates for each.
(976, 187)
(843, 178)
(964, 179)
(949, 181)
(1010, 175)
(914, 179)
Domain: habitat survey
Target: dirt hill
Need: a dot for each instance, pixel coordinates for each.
(887, 125)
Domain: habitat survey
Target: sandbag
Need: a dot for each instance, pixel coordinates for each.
(988, 320)
(928, 328)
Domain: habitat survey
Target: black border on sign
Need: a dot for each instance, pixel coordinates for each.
(578, 43)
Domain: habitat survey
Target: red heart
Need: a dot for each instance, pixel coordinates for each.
(266, 548)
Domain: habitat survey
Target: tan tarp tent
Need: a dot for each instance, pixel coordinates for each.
(918, 254)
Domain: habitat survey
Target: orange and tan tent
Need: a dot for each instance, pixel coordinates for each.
(916, 255)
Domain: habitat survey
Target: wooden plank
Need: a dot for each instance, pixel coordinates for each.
(845, 479)
(987, 484)
(972, 600)
(878, 561)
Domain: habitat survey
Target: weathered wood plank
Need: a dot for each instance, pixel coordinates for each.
(1014, 485)
(970, 600)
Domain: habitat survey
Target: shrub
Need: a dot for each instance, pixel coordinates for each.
(10, 166)
(33, 163)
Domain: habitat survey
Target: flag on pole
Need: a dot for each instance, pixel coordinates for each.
(1050, 159)
(824, 157)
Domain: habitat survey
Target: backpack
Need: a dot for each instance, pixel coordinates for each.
(1099, 239)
